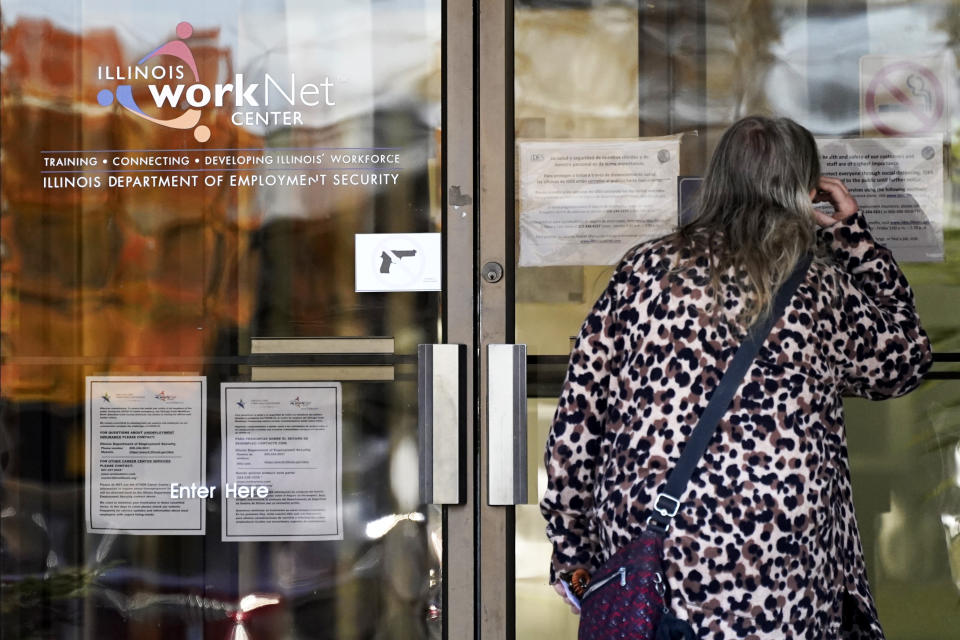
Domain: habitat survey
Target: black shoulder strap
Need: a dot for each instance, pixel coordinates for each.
(667, 503)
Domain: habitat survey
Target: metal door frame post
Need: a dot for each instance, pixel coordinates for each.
(459, 311)
(496, 229)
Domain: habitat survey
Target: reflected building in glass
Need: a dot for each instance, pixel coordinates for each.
(176, 182)
(182, 186)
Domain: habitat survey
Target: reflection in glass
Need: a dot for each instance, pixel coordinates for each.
(141, 275)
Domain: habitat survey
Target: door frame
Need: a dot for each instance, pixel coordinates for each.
(458, 202)
(497, 593)
(478, 174)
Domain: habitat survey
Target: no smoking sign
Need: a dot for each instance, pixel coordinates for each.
(903, 96)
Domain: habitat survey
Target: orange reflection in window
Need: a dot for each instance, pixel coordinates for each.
(108, 279)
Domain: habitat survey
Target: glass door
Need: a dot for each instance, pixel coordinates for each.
(582, 75)
(224, 202)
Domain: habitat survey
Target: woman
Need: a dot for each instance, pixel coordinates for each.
(765, 544)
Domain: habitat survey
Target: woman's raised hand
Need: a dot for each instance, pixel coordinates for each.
(833, 190)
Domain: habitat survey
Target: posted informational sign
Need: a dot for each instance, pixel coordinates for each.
(398, 262)
(898, 183)
(904, 96)
(142, 435)
(586, 202)
(281, 468)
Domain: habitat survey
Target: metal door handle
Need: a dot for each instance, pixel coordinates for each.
(506, 424)
(441, 389)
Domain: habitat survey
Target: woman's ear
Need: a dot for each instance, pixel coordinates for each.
(813, 194)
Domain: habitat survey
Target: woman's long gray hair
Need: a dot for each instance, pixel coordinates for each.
(754, 210)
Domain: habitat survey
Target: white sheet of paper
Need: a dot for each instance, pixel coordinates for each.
(286, 436)
(398, 262)
(898, 183)
(586, 202)
(142, 434)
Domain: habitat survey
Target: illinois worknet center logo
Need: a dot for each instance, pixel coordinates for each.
(173, 78)
(197, 95)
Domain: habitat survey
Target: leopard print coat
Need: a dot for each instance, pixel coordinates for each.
(766, 544)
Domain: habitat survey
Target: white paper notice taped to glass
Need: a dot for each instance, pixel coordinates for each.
(281, 461)
(898, 183)
(398, 262)
(143, 434)
(586, 202)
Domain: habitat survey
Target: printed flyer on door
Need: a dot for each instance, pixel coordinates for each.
(586, 202)
(898, 183)
(143, 435)
(281, 465)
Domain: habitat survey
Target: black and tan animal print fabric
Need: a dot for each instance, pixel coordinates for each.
(766, 544)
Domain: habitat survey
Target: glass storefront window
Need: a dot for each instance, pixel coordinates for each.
(628, 70)
(166, 210)
(178, 181)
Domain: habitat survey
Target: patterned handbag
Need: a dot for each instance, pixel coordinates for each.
(628, 595)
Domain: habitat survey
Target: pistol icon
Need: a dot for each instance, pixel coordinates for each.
(387, 260)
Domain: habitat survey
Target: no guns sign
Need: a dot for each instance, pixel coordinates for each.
(397, 262)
